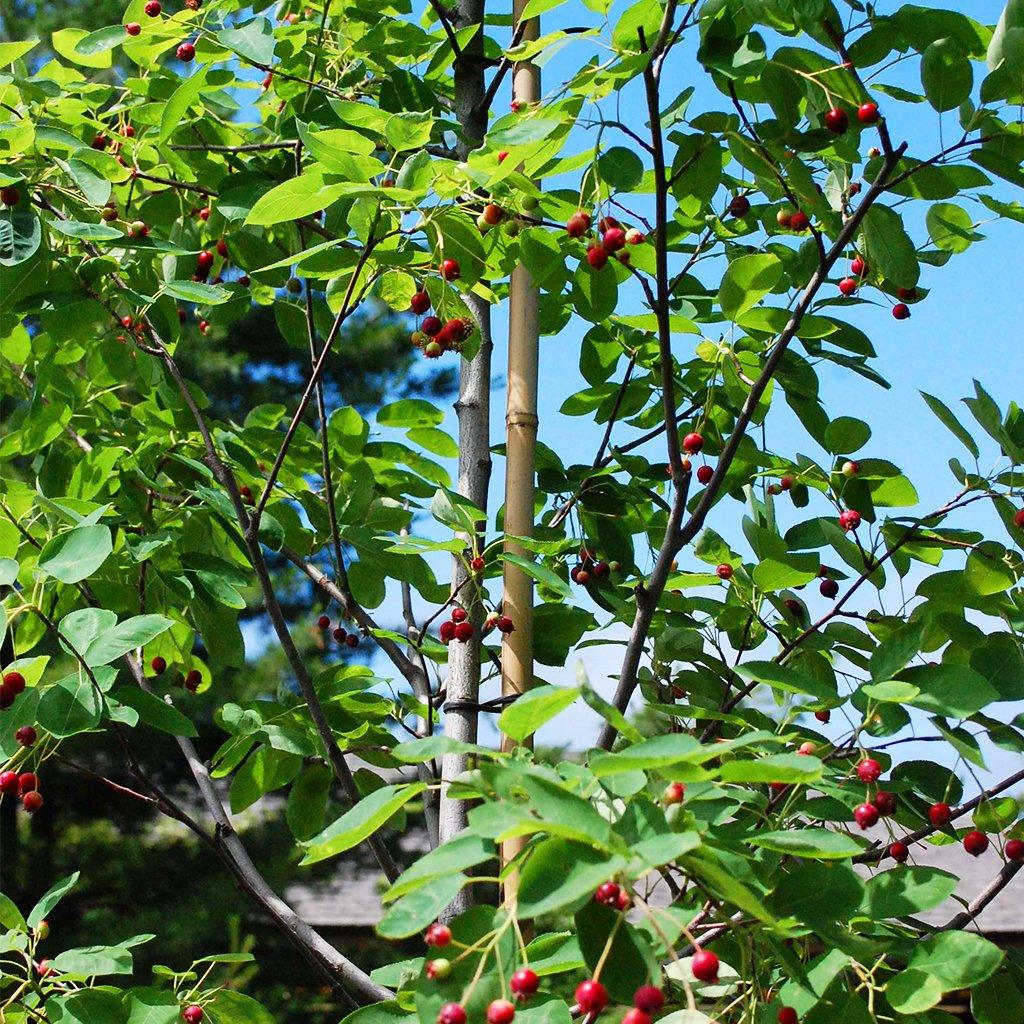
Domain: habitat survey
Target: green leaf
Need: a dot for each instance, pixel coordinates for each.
(94, 960)
(951, 227)
(414, 911)
(772, 574)
(541, 573)
(76, 554)
(51, 898)
(357, 824)
(914, 991)
(595, 293)
(307, 801)
(621, 168)
(70, 706)
(789, 678)
(254, 40)
(409, 130)
(197, 292)
(950, 690)
(747, 280)
(846, 435)
(896, 652)
(152, 1006)
(997, 1001)
(175, 109)
(101, 40)
(529, 712)
(235, 1007)
(789, 768)
(630, 961)
(154, 712)
(20, 236)
(814, 843)
(946, 74)
(951, 423)
(86, 232)
(410, 412)
(957, 959)
(462, 852)
(294, 198)
(907, 890)
(888, 247)
(562, 874)
(126, 636)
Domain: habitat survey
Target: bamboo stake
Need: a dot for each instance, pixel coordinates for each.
(521, 439)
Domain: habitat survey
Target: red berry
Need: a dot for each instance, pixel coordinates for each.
(8, 782)
(866, 815)
(26, 735)
(601, 570)
(794, 607)
(1014, 849)
(867, 113)
(27, 782)
(438, 935)
(849, 520)
(607, 893)
(858, 267)
(836, 120)
(1018, 518)
(459, 614)
(524, 983)
(848, 286)
(450, 271)
(649, 998)
(15, 682)
(352, 640)
(885, 802)
(500, 1011)
(222, 248)
(419, 303)
(597, 256)
(828, 588)
(324, 622)
(478, 564)
(192, 680)
(724, 571)
(634, 236)
(704, 474)
(451, 1013)
(32, 801)
(493, 214)
(446, 632)
(787, 1015)
(10, 196)
(823, 716)
(901, 311)
(204, 213)
(869, 770)
(940, 814)
(431, 325)
(799, 221)
(591, 996)
(907, 294)
(204, 260)
(692, 443)
(339, 634)
(675, 793)
(502, 156)
(614, 239)
(7, 696)
(704, 965)
(975, 843)
(739, 206)
(463, 631)
(133, 28)
(153, 8)
(786, 482)
(158, 665)
(899, 852)
(505, 624)
(192, 1014)
(636, 1016)
(578, 224)
(186, 52)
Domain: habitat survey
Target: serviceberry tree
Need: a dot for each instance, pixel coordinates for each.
(701, 199)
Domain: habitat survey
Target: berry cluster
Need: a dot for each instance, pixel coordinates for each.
(340, 634)
(457, 627)
(25, 786)
(613, 238)
(434, 337)
(590, 567)
(859, 269)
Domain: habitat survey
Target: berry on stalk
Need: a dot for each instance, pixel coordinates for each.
(704, 965)
(591, 996)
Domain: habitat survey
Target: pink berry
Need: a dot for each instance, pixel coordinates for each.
(591, 996)
(500, 1011)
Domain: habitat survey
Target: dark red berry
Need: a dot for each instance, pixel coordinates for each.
(607, 893)
(739, 206)
(158, 665)
(901, 311)
(940, 814)
(867, 113)
(186, 52)
(885, 802)
(591, 996)
(787, 1015)
(799, 221)
(869, 770)
(724, 571)
(27, 782)
(899, 852)
(26, 735)
(450, 269)
(1014, 849)
(704, 474)
(578, 224)
(975, 843)
(133, 28)
(32, 801)
(649, 998)
(524, 983)
(837, 120)
(419, 303)
(15, 682)
(704, 965)
(324, 622)
(192, 1014)
(8, 782)
(866, 815)
(459, 614)
(828, 588)
(446, 631)
(451, 1013)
